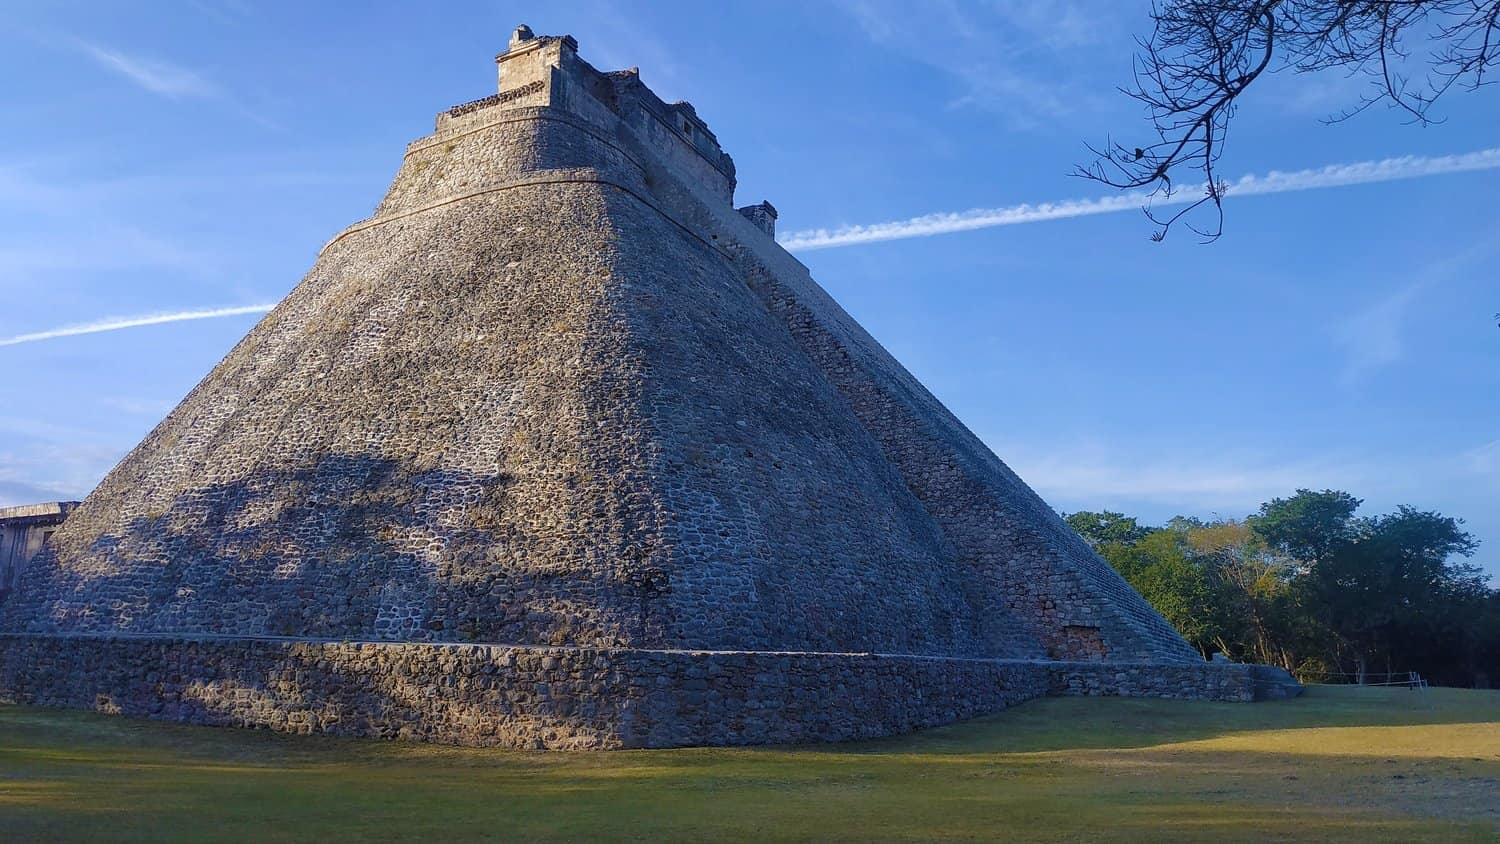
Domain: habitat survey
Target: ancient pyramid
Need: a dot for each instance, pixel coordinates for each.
(559, 449)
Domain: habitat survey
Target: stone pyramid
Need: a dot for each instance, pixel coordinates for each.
(559, 449)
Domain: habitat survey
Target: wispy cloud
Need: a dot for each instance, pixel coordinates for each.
(1061, 23)
(44, 469)
(158, 77)
(1099, 476)
(169, 80)
(1221, 479)
(1371, 337)
(29, 254)
(1324, 93)
(54, 462)
(617, 40)
(117, 323)
(1023, 59)
(45, 459)
(1484, 460)
(14, 492)
(137, 406)
(1333, 175)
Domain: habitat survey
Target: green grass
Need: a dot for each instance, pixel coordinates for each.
(1338, 764)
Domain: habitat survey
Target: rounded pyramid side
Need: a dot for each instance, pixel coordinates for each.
(539, 415)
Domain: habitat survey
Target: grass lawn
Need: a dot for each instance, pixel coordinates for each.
(1337, 764)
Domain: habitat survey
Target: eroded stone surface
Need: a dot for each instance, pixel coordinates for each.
(556, 698)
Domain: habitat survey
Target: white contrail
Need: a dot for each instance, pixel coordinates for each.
(116, 323)
(1334, 175)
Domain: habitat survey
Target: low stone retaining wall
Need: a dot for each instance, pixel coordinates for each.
(1202, 681)
(558, 698)
(541, 698)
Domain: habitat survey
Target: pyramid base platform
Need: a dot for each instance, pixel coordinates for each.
(557, 698)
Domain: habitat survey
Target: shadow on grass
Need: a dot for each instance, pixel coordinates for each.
(1053, 769)
(1043, 725)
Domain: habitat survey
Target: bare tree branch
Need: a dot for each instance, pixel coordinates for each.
(1203, 54)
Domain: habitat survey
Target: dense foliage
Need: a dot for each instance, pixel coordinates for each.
(1306, 584)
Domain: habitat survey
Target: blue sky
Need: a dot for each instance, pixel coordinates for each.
(194, 156)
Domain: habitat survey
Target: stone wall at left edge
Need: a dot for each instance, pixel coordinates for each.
(496, 695)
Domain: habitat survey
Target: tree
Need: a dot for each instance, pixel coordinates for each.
(1308, 585)
(1160, 565)
(1252, 589)
(1389, 585)
(1105, 528)
(1203, 54)
(1164, 567)
(1484, 644)
(1308, 526)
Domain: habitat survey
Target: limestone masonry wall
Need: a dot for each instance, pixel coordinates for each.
(491, 695)
(1016, 550)
(555, 698)
(513, 142)
(1199, 681)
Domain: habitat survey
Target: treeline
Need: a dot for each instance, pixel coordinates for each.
(1306, 584)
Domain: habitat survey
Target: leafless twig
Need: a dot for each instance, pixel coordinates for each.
(1203, 54)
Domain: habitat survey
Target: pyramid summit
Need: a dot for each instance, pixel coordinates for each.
(559, 449)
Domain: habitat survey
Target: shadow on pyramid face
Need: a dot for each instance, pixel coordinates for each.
(353, 547)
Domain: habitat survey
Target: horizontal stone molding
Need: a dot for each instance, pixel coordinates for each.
(582, 176)
(524, 114)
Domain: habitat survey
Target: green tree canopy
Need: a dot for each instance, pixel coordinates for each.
(1106, 527)
(1309, 525)
(1306, 584)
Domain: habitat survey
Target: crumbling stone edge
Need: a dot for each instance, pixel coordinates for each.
(556, 698)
